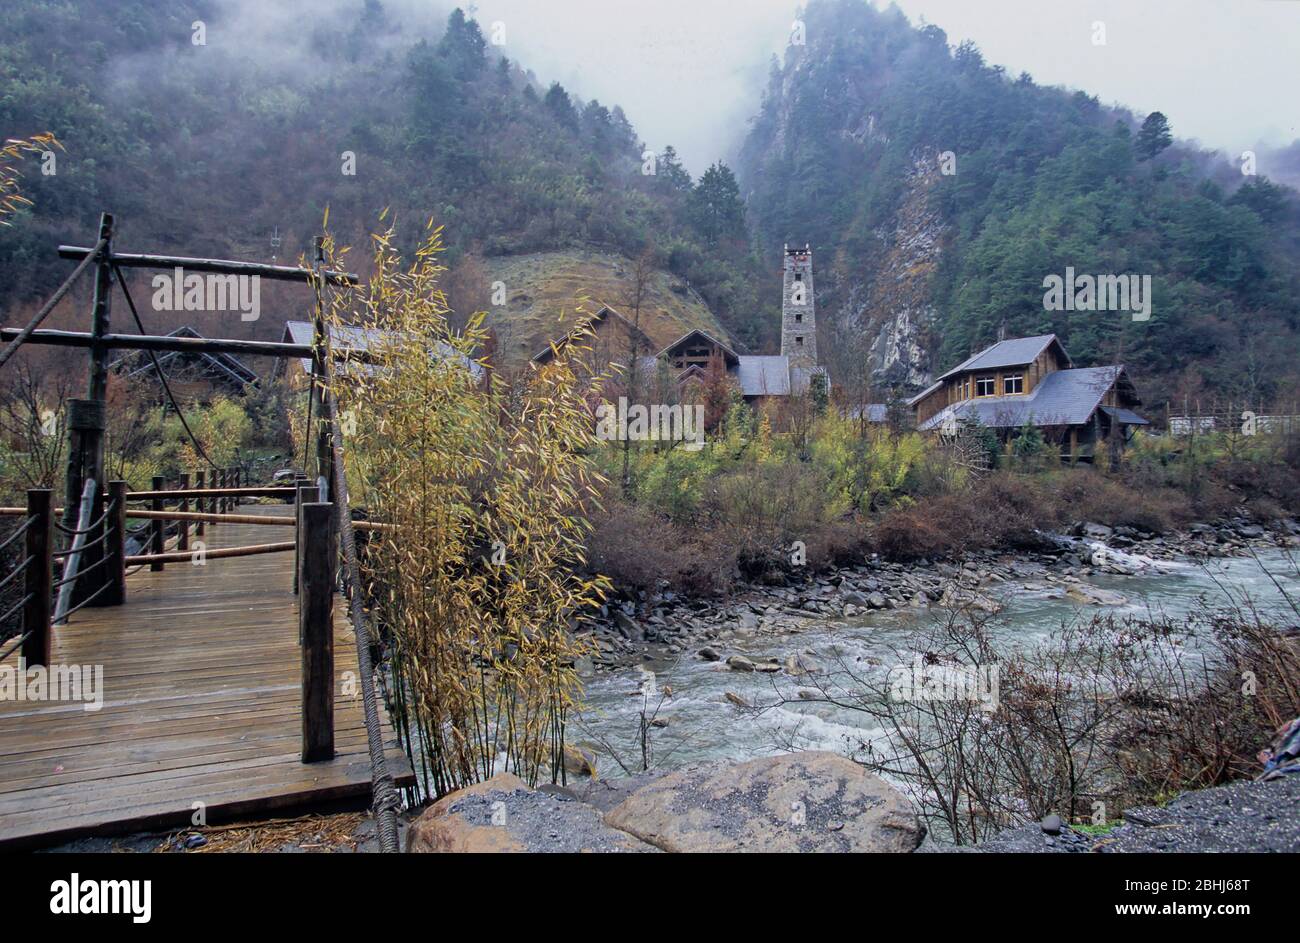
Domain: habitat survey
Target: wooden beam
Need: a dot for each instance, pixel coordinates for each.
(38, 577)
(183, 537)
(158, 534)
(115, 547)
(202, 345)
(284, 273)
(198, 345)
(316, 631)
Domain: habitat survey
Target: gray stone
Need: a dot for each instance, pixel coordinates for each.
(777, 804)
(503, 815)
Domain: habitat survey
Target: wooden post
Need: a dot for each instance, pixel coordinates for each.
(316, 630)
(158, 541)
(183, 534)
(85, 417)
(38, 577)
(115, 547)
(201, 527)
(306, 494)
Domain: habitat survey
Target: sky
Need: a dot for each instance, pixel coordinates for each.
(690, 72)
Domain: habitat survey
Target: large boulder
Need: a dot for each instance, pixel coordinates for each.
(801, 802)
(503, 814)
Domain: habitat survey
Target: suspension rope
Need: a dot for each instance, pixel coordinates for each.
(121, 280)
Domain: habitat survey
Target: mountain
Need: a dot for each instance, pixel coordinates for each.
(943, 191)
(212, 127)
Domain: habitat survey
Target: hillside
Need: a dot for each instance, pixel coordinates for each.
(921, 267)
(543, 286)
(214, 149)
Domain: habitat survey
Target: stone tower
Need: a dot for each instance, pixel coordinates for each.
(798, 311)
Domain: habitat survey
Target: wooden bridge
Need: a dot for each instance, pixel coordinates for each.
(202, 701)
(232, 683)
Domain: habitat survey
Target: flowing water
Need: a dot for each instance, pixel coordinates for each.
(703, 725)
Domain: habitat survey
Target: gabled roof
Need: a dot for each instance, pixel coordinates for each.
(1063, 398)
(728, 354)
(1016, 352)
(356, 337)
(226, 365)
(764, 376)
(605, 312)
(932, 388)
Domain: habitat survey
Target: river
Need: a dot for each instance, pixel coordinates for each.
(702, 725)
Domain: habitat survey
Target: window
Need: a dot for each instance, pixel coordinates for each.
(985, 386)
(799, 340)
(798, 318)
(798, 276)
(1013, 383)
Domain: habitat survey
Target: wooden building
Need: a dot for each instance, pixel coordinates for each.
(193, 376)
(1031, 380)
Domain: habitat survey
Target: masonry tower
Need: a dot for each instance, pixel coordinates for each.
(798, 311)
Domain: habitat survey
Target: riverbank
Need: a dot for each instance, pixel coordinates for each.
(1244, 816)
(661, 626)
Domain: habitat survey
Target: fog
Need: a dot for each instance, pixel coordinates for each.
(691, 72)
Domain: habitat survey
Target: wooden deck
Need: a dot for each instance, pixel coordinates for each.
(201, 704)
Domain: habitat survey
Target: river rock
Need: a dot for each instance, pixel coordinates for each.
(627, 626)
(1091, 595)
(709, 654)
(740, 663)
(579, 761)
(503, 815)
(877, 601)
(801, 802)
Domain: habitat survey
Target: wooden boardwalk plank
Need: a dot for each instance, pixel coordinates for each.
(201, 704)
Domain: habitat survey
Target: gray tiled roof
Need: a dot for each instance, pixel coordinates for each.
(1126, 416)
(925, 392)
(764, 376)
(873, 412)
(1009, 353)
(1064, 397)
(355, 337)
(801, 378)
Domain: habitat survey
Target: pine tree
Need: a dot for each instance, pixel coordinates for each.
(1154, 137)
(718, 212)
(559, 104)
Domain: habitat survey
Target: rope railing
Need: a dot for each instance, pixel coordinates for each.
(19, 531)
(22, 638)
(72, 562)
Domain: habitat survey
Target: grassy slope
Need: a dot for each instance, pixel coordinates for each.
(544, 291)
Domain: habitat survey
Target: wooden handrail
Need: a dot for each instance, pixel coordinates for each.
(269, 491)
(219, 553)
(267, 520)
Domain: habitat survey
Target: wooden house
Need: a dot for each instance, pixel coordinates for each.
(193, 376)
(1031, 380)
